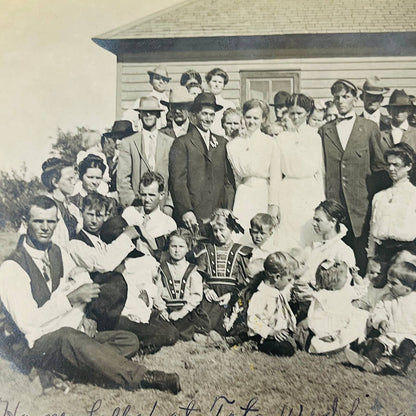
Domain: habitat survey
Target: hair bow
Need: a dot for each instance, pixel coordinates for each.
(234, 225)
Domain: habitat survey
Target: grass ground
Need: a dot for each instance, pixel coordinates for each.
(258, 385)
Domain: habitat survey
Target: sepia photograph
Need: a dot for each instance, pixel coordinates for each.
(208, 207)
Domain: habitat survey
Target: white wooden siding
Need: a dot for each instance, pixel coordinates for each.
(316, 74)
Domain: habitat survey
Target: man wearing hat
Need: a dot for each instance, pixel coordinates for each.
(352, 153)
(201, 178)
(179, 103)
(159, 79)
(399, 107)
(372, 96)
(279, 104)
(109, 143)
(146, 150)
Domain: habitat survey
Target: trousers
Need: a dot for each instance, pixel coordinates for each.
(153, 335)
(101, 360)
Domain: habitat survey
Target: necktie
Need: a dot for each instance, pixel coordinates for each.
(152, 150)
(46, 267)
(339, 119)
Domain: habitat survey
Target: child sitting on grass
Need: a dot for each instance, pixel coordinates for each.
(376, 279)
(332, 319)
(180, 285)
(395, 318)
(270, 320)
(223, 265)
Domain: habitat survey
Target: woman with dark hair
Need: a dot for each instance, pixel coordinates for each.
(393, 219)
(190, 76)
(301, 165)
(217, 79)
(58, 176)
(329, 228)
(90, 170)
(255, 162)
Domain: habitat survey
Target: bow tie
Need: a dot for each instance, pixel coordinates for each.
(339, 119)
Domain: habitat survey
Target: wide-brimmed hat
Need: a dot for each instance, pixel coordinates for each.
(205, 98)
(374, 86)
(178, 95)
(280, 99)
(120, 129)
(399, 98)
(148, 104)
(162, 71)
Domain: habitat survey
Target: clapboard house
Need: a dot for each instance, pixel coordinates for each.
(268, 45)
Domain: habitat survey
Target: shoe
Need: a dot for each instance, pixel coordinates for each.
(161, 381)
(200, 338)
(360, 361)
(392, 365)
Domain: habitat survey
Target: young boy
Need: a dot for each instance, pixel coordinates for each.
(262, 227)
(269, 318)
(100, 259)
(159, 80)
(377, 285)
(395, 318)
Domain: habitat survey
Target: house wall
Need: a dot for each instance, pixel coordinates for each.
(316, 74)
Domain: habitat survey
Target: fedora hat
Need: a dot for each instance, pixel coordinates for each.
(280, 99)
(205, 98)
(399, 98)
(148, 104)
(373, 86)
(161, 71)
(120, 129)
(178, 95)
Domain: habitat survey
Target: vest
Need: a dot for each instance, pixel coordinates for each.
(82, 236)
(176, 301)
(9, 332)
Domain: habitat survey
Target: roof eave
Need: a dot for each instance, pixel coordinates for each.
(387, 43)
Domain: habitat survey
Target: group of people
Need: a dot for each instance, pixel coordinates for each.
(194, 220)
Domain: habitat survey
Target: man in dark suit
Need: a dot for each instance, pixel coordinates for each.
(399, 107)
(201, 178)
(179, 103)
(372, 96)
(147, 150)
(352, 153)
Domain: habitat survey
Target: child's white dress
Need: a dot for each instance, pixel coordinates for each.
(332, 316)
(400, 313)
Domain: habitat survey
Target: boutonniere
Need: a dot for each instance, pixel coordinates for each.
(213, 142)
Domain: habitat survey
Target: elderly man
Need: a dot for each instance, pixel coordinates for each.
(352, 153)
(372, 96)
(146, 150)
(43, 301)
(179, 103)
(201, 178)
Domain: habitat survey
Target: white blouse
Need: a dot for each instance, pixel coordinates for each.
(256, 157)
(394, 213)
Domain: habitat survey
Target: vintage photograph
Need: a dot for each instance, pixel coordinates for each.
(208, 208)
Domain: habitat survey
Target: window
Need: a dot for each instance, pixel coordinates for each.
(263, 85)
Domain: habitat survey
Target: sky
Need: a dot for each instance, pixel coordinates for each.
(53, 75)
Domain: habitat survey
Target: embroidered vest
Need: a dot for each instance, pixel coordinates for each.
(176, 300)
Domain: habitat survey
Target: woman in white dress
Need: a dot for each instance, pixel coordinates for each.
(301, 165)
(255, 162)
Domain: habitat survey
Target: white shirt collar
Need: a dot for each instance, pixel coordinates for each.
(180, 130)
(34, 252)
(373, 117)
(206, 135)
(404, 126)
